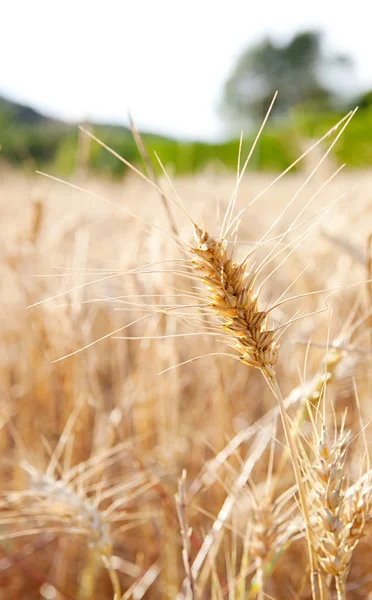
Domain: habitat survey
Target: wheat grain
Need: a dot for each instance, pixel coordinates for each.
(232, 296)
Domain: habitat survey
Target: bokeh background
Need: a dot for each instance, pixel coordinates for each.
(192, 76)
(93, 440)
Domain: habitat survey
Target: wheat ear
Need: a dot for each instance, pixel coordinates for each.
(54, 505)
(232, 296)
(340, 513)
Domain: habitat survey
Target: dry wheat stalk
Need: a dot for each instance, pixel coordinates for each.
(334, 366)
(52, 503)
(74, 501)
(339, 515)
(327, 371)
(185, 534)
(55, 506)
(273, 525)
(231, 294)
(315, 391)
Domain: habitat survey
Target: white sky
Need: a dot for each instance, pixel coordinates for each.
(165, 60)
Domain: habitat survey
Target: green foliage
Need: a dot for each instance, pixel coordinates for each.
(120, 140)
(31, 146)
(64, 160)
(365, 100)
(14, 112)
(355, 145)
(40, 143)
(53, 146)
(293, 69)
(274, 152)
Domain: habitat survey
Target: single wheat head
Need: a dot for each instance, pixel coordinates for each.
(339, 515)
(232, 296)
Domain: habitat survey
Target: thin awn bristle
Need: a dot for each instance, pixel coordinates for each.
(240, 174)
(347, 118)
(340, 515)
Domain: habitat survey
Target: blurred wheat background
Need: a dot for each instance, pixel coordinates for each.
(118, 432)
(138, 459)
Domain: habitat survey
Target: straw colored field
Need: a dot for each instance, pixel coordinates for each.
(93, 446)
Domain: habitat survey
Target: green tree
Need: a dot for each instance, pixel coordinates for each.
(294, 69)
(365, 100)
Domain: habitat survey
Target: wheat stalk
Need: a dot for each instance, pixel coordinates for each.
(185, 534)
(232, 296)
(273, 528)
(74, 501)
(339, 514)
(51, 504)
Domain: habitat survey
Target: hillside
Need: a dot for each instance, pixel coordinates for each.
(30, 140)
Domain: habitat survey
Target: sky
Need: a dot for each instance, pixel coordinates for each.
(164, 60)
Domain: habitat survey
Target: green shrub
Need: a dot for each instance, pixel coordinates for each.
(355, 145)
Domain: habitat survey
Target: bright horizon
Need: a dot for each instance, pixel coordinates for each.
(166, 62)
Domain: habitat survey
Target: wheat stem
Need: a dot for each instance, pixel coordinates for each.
(113, 577)
(315, 578)
(340, 587)
(259, 579)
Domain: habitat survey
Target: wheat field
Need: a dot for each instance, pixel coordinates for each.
(138, 459)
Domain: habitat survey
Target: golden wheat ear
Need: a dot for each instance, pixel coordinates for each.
(231, 296)
(81, 501)
(338, 513)
(248, 333)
